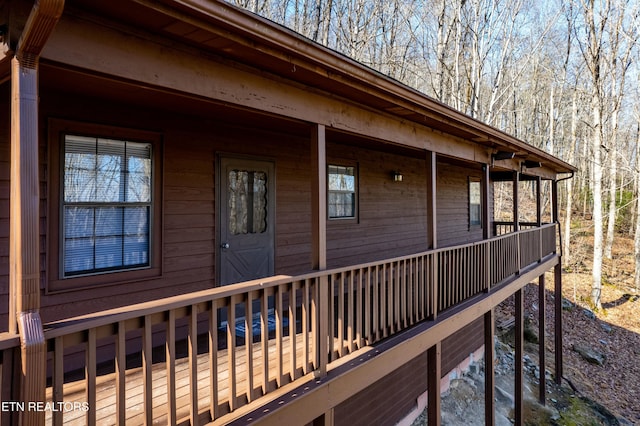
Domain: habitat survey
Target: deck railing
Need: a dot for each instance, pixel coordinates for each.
(505, 227)
(245, 340)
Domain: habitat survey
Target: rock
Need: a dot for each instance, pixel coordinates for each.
(567, 305)
(590, 355)
(589, 313)
(503, 396)
(606, 327)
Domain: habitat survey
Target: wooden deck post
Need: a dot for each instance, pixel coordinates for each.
(486, 225)
(434, 367)
(432, 224)
(516, 207)
(24, 251)
(541, 348)
(24, 234)
(557, 275)
(432, 227)
(489, 369)
(319, 240)
(518, 364)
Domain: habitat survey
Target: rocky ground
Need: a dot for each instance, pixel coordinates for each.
(566, 404)
(601, 383)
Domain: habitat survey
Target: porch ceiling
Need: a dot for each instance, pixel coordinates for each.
(224, 30)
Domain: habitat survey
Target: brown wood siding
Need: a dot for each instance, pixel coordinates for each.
(391, 398)
(190, 148)
(391, 215)
(388, 400)
(453, 204)
(5, 152)
(457, 347)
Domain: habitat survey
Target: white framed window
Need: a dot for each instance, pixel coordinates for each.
(342, 192)
(106, 205)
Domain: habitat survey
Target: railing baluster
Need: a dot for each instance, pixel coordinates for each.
(147, 364)
(350, 316)
(170, 351)
(377, 324)
(396, 297)
(359, 313)
(404, 294)
(231, 352)
(213, 360)
(193, 365)
(368, 334)
(305, 325)
(279, 335)
(383, 301)
(121, 367)
(293, 362)
(58, 380)
(341, 316)
(248, 344)
(90, 375)
(264, 339)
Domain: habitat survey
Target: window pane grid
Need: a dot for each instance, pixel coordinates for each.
(107, 205)
(341, 192)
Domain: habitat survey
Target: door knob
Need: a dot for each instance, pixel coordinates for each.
(224, 245)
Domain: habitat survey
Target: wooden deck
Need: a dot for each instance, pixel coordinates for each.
(106, 412)
(333, 313)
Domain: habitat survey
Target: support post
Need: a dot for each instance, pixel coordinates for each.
(24, 247)
(557, 275)
(432, 224)
(486, 218)
(541, 340)
(319, 240)
(518, 362)
(486, 225)
(434, 367)
(489, 369)
(516, 207)
(539, 201)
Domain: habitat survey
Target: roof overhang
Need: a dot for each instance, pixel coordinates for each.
(227, 31)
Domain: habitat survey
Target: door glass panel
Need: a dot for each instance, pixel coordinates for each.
(247, 202)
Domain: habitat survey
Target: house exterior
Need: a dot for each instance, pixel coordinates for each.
(176, 173)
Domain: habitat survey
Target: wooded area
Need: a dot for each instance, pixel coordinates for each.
(560, 75)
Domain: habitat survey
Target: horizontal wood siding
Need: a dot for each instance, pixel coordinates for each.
(390, 399)
(392, 215)
(453, 204)
(458, 347)
(188, 214)
(5, 190)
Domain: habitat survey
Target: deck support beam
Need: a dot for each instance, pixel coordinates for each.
(489, 370)
(518, 364)
(557, 275)
(434, 367)
(516, 207)
(541, 340)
